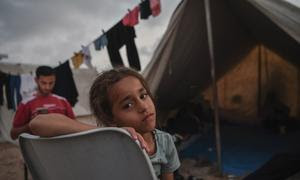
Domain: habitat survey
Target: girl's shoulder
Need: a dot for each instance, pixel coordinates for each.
(161, 133)
(162, 137)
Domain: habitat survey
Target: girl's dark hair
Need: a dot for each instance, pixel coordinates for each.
(99, 100)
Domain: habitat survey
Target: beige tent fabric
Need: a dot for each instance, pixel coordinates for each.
(240, 95)
(155, 69)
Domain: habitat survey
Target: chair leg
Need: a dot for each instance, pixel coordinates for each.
(25, 172)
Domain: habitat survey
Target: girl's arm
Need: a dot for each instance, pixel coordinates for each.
(48, 125)
(167, 176)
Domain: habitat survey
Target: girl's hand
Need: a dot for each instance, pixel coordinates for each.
(137, 136)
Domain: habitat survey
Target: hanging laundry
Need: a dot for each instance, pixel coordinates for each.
(118, 36)
(132, 18)
(77, 59)
(8, 92)
(145, 9)
(65, 85)
(155, 7)
(3, 77)
(87, 58)
(14, 86)
(101, 42)
(28, 85)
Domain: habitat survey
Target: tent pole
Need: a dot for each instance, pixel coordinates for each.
(214, 85)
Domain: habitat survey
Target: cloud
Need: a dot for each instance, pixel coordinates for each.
(48, 31)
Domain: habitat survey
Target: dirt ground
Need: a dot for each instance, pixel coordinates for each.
(12, 167)
(11, 162)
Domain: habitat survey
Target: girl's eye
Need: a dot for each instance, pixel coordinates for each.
(128, 105)
(144, 96)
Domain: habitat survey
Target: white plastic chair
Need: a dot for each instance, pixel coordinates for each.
(99, 154)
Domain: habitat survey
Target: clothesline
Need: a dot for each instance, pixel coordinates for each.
(92, 42)
(144, 9)
(103, 32)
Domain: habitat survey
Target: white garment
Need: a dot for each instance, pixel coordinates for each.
(87, 58)
(28, 85)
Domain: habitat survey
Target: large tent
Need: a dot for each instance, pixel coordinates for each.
(249, 37)
(256, 52)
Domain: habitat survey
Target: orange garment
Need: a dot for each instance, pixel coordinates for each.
(155, 7)
(77, 59)
(132, 18)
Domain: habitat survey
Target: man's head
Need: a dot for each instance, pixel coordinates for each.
(45, 79)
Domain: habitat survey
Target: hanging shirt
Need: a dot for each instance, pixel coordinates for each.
(87, 58)
(101, 42)
(28, 85)
(118, 36)
(77, 59)
(155, 7)
(145, 9)
(64, 84)
(8, 92)
(132, 18)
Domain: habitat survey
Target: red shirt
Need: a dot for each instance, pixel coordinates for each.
(34, 105)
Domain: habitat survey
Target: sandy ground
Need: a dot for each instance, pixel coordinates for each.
(12, 168)
(11, 163)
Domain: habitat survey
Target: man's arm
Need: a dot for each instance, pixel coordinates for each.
(48, 125)
(69, 110)
(16, 131)
(20, 122)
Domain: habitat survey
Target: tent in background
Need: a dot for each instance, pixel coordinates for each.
(256, 50)
(250, 36)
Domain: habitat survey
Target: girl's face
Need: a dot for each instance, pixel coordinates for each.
(132, 106)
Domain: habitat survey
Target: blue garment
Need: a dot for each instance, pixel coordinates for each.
(100, 42)
(14, 85)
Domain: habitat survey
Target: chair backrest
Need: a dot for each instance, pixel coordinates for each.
(99, 154)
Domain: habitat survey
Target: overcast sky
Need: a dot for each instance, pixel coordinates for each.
(49, 31)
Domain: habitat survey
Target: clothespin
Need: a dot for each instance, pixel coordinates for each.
(129, 10)
(103, 31)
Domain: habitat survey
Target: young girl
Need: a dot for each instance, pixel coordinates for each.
(120, 97)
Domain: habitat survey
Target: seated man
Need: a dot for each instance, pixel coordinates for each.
(41, 102)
